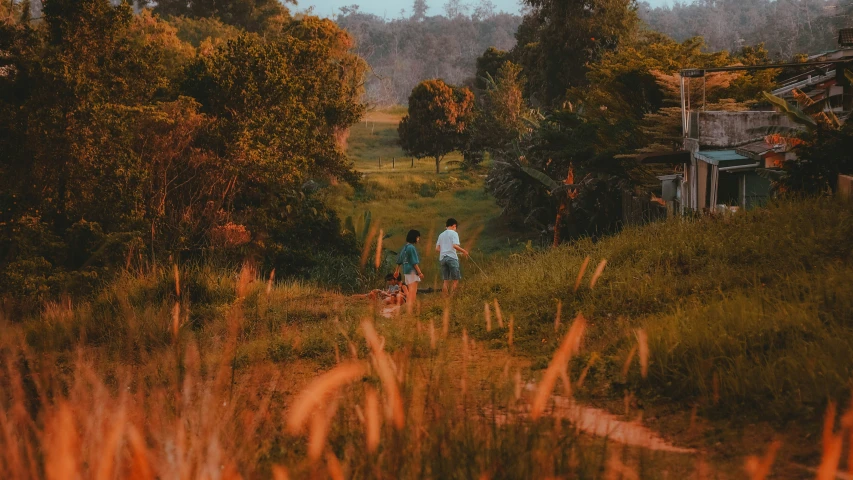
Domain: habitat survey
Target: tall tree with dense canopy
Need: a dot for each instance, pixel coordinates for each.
(501, 116)
(558, 39)
(438, 120)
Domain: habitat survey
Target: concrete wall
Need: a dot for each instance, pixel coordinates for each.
(731, 129)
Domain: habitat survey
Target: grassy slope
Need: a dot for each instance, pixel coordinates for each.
(750, 315)
(760, 301)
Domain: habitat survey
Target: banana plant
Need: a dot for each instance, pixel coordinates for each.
(809, 118)
(565, 191)
(366, 220)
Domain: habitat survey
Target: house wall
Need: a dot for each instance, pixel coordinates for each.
(731, 129)
(773, 159)
(702, 186)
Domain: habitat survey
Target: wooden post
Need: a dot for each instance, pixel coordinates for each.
(845, 186)
(413, 162)
(393, 161)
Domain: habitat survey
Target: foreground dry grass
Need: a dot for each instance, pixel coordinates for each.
(721, 334)
(405, 397)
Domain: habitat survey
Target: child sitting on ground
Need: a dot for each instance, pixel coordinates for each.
(394, 292)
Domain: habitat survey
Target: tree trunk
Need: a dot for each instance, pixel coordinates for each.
(562, 210)
(437, 165)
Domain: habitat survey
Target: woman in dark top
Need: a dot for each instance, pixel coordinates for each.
(408, 261)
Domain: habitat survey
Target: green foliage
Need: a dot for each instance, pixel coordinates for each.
(822, 146)
(438, 120)
(502, 116)
(825, 153)
(488, 65)
(558, 40)
(251, 15)
(120, 144)
(197, 31)
(568, 146)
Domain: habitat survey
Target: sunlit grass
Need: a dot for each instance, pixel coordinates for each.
(411, 196)
(746, 315)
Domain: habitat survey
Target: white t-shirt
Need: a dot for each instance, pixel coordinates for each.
(446, 241)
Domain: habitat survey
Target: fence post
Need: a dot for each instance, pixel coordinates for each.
(413, 162)
(393, 161)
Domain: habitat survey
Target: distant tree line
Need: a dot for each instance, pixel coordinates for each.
(412, 47)
(131, 140)
(785, 27)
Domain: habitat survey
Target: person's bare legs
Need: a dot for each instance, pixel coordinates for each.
(453, 286)
(413, 296)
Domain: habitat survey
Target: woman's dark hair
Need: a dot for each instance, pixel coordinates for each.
(451, 222)
(412, 236)
(389, 277)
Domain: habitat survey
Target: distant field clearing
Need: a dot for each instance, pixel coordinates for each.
(383, 117)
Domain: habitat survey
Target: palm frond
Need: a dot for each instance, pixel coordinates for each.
(794, 113)
(542, 177)
(828, 103)
(565, 186)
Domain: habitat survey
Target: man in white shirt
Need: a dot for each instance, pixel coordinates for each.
(447, 246)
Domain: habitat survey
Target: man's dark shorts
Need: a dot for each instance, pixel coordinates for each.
(450, 269)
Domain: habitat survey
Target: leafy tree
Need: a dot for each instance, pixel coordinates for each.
(488, 65)
(280, 105)
(438, 120)
(197, 31)
(252, 15)
(558, 39)
(419, 10)
(502, 114)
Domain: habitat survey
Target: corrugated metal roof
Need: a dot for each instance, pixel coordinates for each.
(758, 147)
(723, 158)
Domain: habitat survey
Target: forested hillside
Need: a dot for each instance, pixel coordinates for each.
(786, 27)
(403, 51)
